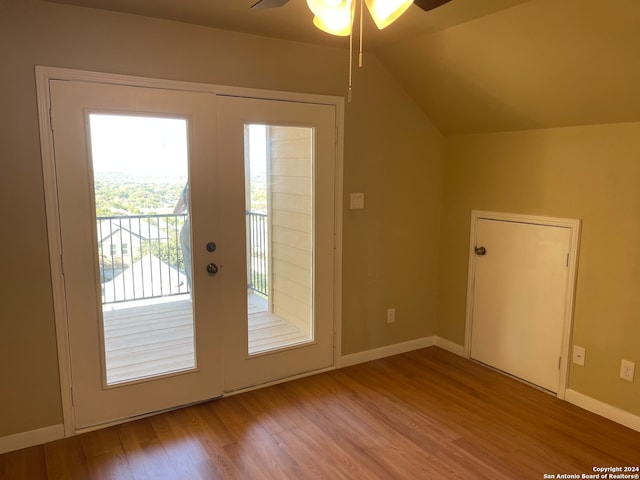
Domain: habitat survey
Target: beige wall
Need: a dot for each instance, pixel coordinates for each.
(589, 173)
(390, 247)
(393, 154)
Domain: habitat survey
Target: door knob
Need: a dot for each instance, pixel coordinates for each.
(212, 268)
(480, 251)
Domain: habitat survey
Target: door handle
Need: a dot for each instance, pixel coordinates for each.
(212, 269)
(480, 251)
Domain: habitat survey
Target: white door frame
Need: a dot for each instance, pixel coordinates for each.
(43, 76)
(574, 227)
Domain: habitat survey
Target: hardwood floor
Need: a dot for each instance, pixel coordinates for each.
(426, 414)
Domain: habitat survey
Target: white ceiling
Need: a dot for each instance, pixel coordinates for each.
(471, 65)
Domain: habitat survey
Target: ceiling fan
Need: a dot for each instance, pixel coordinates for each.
(425, 5)
(336, 16)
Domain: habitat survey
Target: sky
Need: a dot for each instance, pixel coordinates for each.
(158, 146)
(139, 145)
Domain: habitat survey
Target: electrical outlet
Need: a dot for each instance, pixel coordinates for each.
(391, 315)
(627, 369)
(578, 355)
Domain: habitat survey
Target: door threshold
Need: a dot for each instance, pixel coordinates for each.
(277, 382)
(521, 380)
(121, 421)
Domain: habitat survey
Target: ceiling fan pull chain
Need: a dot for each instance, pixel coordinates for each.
(350, 65)
(361, 15)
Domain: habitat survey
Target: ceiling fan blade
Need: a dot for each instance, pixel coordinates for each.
(427, 5)
(269, 3)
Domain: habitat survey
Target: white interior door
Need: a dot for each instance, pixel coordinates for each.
(277, 188)
(519, 298)
(142, 335)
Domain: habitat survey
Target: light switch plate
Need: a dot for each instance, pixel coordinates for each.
(357, 201)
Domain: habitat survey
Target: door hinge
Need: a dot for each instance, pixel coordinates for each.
(559, 362)
(51, 118)
(567, 259)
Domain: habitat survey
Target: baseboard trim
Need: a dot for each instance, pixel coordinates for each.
(31, 438)
(603, 409)
(386, 351)
(450, 346)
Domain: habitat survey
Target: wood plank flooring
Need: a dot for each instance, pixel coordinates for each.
(143, 339)
(426, 414)
(269, 332)
(148, 338)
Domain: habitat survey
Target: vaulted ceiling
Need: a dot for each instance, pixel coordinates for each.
(471, 65)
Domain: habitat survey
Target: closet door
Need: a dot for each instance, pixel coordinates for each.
(520, 298)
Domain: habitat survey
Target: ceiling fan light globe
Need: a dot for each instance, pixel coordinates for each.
(334, 26)
(385, 12)
(333, 16)
(320, 8)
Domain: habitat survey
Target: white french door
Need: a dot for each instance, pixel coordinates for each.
(288, 150)
(138, 342)
(198, 243)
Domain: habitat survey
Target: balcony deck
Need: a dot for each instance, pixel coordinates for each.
(155, 337)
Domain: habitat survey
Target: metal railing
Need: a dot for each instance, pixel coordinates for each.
(258, 254)
(140, 256)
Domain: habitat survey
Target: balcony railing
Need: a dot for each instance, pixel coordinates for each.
(258, 253)
(140, 256)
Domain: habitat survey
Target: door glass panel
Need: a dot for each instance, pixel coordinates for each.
(140, 168)
(279, 197)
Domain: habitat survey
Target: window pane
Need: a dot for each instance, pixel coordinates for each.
(279, 192)
(140, 167)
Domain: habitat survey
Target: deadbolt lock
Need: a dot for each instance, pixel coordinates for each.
(480, 251)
